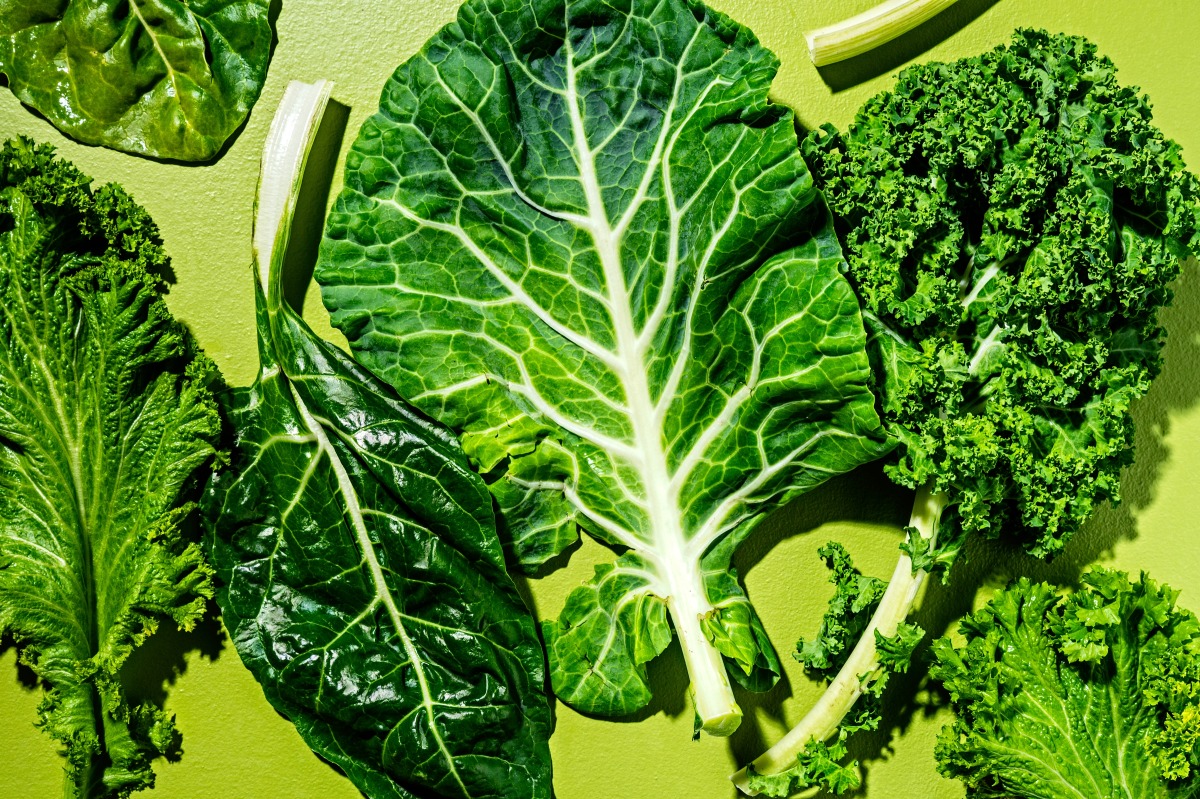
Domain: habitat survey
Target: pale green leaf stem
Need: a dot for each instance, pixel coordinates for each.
(872, 28)
(861, 668)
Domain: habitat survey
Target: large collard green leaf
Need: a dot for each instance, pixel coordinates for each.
(164, 78)
(1095, 695)
(105, 417)
(578, 233)
(363, 580)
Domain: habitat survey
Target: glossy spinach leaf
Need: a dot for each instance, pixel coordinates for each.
(164, 78)
(362, 577)
(580, 234)
(105, 418)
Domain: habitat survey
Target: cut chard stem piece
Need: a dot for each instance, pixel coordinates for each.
(870, 29)
(836, 703)
(285, 154)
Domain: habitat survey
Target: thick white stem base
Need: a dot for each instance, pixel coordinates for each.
(711, 690)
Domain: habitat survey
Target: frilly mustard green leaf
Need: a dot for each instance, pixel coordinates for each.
(1091, 695)
(579, 234)
(105, 418)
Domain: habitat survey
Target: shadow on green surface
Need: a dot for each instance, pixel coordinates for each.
(1176, 389)
(155, 666)
(158, 664)
(888, 57)
(25, 675)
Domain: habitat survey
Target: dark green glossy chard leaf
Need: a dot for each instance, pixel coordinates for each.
(105, 418)
(361, 574)
(168, 79)
(1092, 695)
(579, 234)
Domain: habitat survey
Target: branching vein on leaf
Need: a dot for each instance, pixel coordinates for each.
(382, 590)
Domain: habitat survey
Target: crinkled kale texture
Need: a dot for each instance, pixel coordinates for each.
(1092, 695)
(106, 420)
(854, 599)
(1011, 224)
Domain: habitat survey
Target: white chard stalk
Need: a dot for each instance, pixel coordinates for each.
(870, 29)
(285, 153)
(835, 704)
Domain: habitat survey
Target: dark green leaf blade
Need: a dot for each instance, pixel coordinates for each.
(105, 416)
(168, 79)
(364, 582)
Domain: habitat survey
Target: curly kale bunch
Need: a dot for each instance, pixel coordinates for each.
(1012, 223)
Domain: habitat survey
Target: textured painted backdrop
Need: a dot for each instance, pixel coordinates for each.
(237, 748)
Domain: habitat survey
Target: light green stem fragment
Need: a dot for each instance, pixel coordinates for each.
(285, 153)
(835, 704)
(870, 29)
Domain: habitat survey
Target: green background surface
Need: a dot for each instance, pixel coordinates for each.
(236, 747)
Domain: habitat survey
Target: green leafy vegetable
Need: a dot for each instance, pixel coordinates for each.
(105, 418)
(1011, 224)
(820, 763)
(1093, 695)
(872, 28)
(854, 600)
(580, 235)
(163, 78)
(361, 574)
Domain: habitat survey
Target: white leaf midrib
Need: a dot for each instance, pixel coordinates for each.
(680, 583)
(626, 359)
(650, 455)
